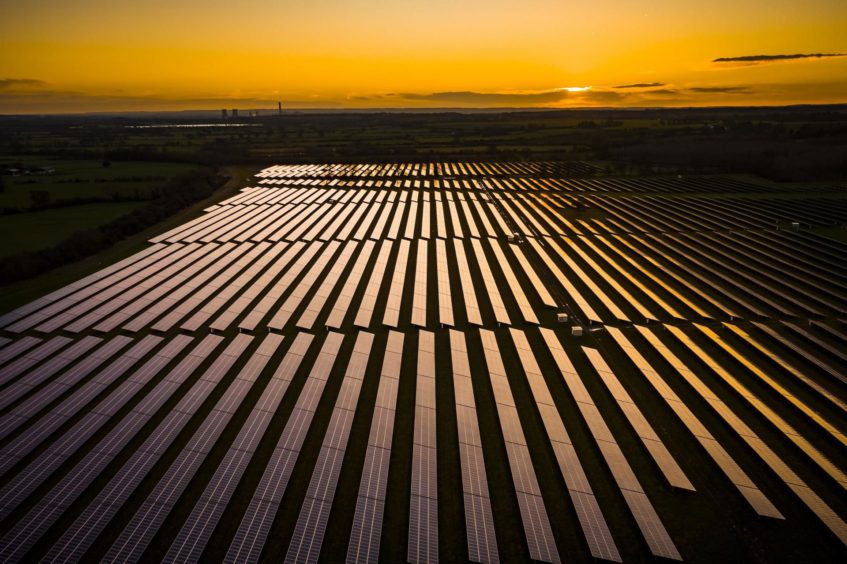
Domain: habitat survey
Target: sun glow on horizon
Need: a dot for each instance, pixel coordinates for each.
(182, 54)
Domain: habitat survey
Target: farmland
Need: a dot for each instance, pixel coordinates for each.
(454, 361)
(49, 227)
(53, 199)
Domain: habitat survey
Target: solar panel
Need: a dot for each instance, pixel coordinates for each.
(411, 222)
(517, 290)
(221, 294)
(44, 428)
(273, 294)
(837, 373)
(536, 524)
(311, 524)
(425, 217)
(163, 291)
(648, 523)
(539, 286)
(419, 304)
(83, 285)
(93, 309)
(491, 289)
(368, 303)
(486, 223)
(423, 510)
(18, 347)
(610, 242)
(313, 309)
(773, 384)
(29, 528)
(563, 279)
(784, 427)
(654, 445)
(395, 291)
(24, 363)
(454, 219)
(468, 292)
(469, 217)
(256, 522)
(345, 297)
(479, 521)
(445, 305)
(397, 220)
(298, 294)
(786, 365)
(52, 390)
(594, 527)
(209, 508)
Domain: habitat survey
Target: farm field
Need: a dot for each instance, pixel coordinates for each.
(48, 227)
(57, 198)
(487, 362)
(84, 179)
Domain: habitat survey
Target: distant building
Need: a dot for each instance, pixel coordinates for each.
(223, 114)
(280, 107)
(235, 112)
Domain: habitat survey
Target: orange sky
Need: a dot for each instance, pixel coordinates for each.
(107, 55)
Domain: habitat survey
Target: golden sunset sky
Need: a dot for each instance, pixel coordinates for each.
(110, 55)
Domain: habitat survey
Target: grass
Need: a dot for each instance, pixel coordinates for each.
(46, 228)
(85, 179)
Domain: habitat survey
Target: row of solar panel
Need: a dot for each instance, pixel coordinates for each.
(356, 220)
(182, 280)
(142, 292)
(414, 169)
(557, 176)
(47, 510)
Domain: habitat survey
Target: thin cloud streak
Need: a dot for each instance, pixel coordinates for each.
(641, 85)
(756, 59)
(18, 83)
(720, 89)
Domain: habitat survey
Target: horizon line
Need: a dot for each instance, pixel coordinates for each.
(273, 112)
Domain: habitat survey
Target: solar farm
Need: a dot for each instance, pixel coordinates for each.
(486, 362)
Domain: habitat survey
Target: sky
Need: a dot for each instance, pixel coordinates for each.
(118, 55)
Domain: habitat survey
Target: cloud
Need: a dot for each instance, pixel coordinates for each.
(642, 85)
(15, 83)
(662, 92)
(757, 59)
(720, 89)
(491, 98)
(519, 98)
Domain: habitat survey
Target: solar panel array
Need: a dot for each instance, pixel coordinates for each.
(278, 377)
(423, 499)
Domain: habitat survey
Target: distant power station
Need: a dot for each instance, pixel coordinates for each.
(233, 113)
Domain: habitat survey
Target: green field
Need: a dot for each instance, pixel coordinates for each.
(89, 179)
(32, 231)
